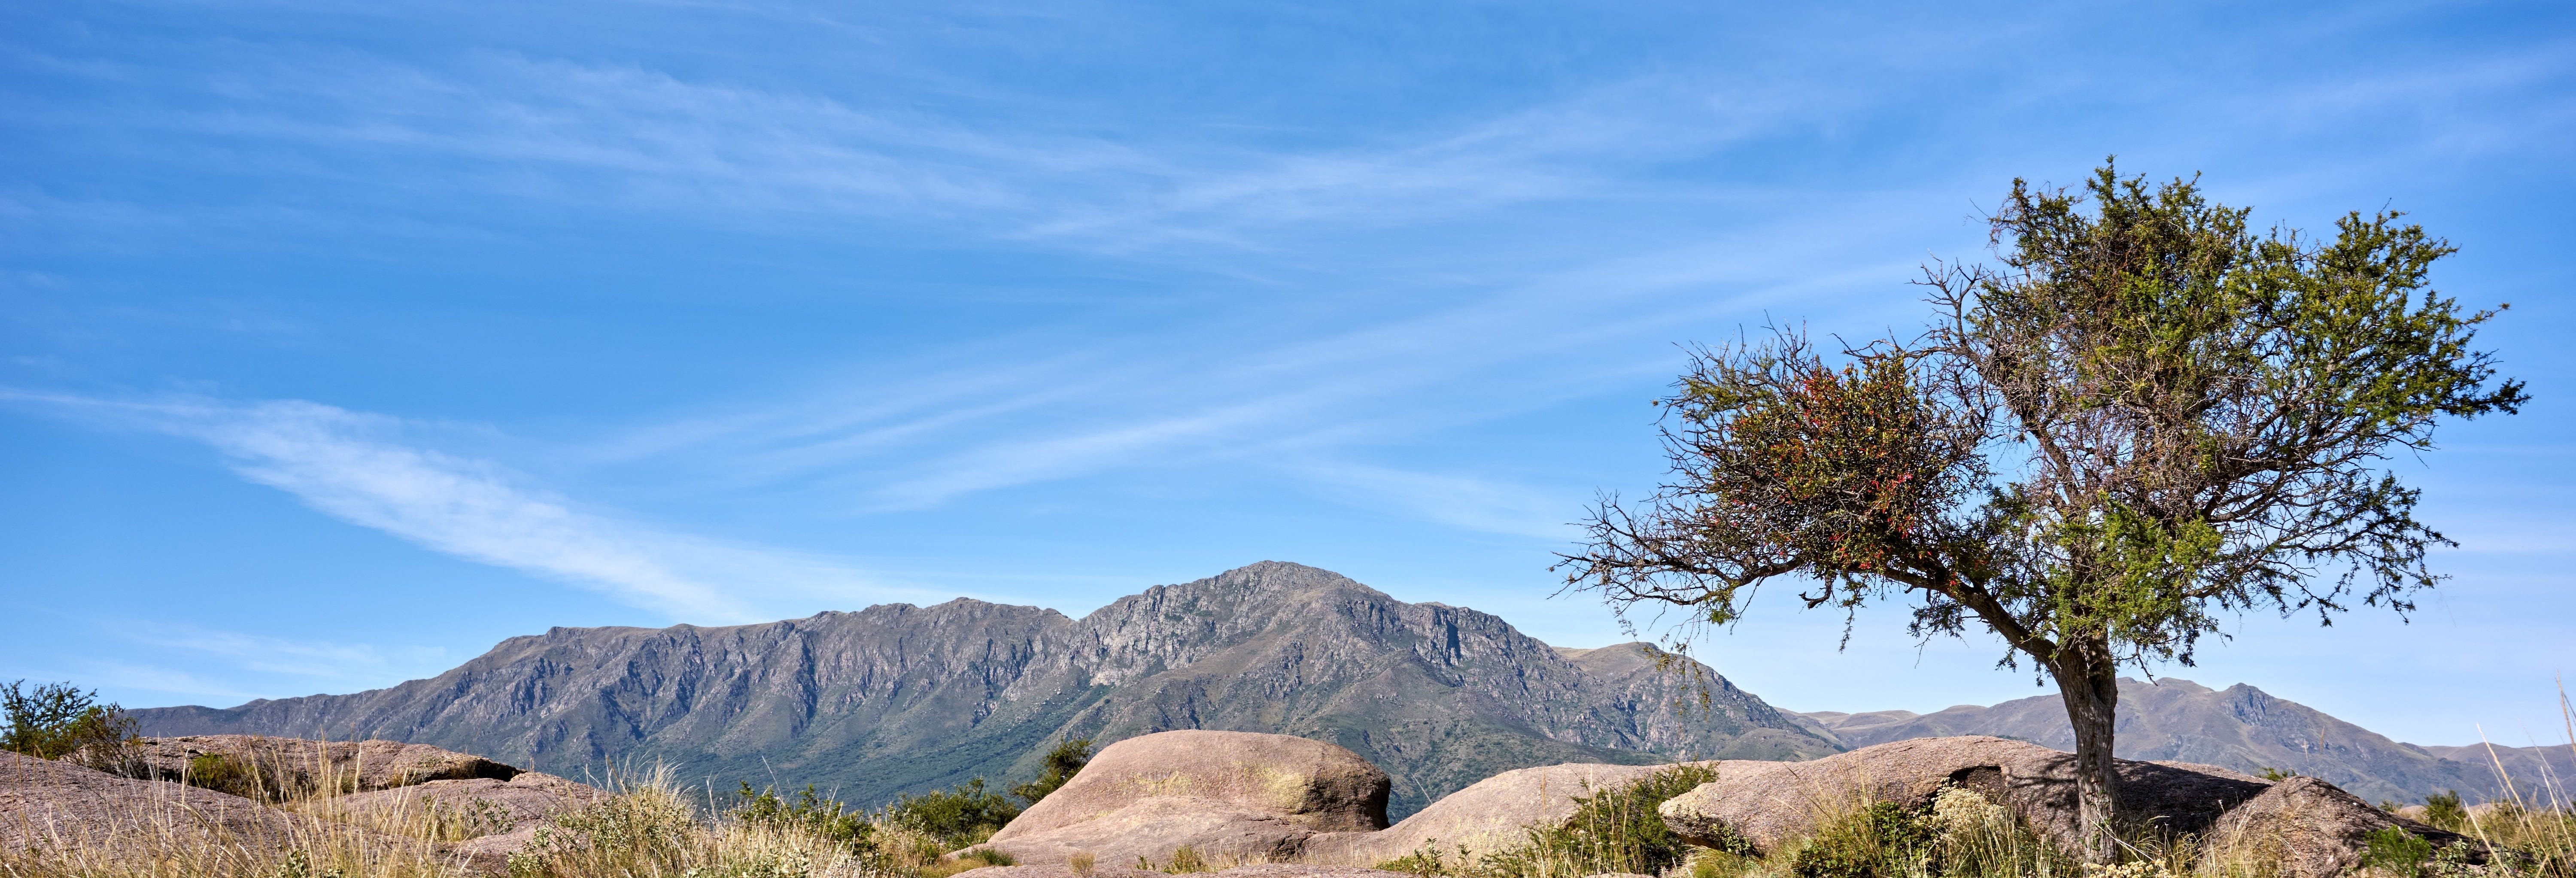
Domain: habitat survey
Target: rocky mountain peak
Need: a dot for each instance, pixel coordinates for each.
(898, 698)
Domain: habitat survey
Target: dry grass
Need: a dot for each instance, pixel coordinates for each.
(650, 828)
(167, 838)
(164, 835)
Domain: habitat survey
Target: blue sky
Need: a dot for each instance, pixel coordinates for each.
(343, 340)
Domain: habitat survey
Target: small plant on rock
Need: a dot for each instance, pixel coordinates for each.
(2396, 850)
(1878, 840)
(2444, 811)
(1426, 862)
(1614, 830)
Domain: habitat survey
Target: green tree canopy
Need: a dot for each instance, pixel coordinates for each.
(1059, 765)
(2144, 417)
(54, 720)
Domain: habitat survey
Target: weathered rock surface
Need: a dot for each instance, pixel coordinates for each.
(1258, 870)
(479, 806)
(1219, 831)
(900, 698)
(62, 809)
(1314, 784)
(1235, 798)
(1239, 795)
(2307, 828)
(1494, 813)
(292, 765)
(1770, 803)
(2239, 727)
(54, 806)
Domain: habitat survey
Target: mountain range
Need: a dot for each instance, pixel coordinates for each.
(2238, 727)
(899, 699)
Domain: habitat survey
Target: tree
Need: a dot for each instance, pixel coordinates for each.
(2146, 417)
(54, 720)
(1054, 769)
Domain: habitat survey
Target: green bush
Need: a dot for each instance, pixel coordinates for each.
(2397, 850)
(223, 774)
(54, 720)
(2445, 811)
(1427, 862)
(1615, 830)
(1882, 839)
(808, 813)
(962, 815)
(1059, 766)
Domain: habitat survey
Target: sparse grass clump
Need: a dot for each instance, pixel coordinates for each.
(1614, 830)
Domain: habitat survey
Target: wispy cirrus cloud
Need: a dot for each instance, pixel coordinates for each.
(623, 137)
(1303, 403)
(299, 657)
(357, 467)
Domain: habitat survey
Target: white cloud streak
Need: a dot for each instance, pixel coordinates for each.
(297, 657)
(1295, 402)
(355, 467)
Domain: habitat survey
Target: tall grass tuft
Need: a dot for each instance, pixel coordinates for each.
(1614, 830)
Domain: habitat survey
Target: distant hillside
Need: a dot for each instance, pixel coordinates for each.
(2239, 727)
(899, 698)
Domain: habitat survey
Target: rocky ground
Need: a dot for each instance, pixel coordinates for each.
(1250, 805)
(475, 811)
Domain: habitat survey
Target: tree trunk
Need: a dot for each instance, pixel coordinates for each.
(2087, 678)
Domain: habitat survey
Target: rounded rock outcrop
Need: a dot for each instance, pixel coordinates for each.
(1770, 803)
(294, 766)
(2307, 828)
(1491, 814)
(1238, 795)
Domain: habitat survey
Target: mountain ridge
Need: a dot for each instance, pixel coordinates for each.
(2240, 727)
(897, 698)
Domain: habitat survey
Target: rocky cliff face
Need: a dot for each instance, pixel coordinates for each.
(2239, 727)
(898, 698)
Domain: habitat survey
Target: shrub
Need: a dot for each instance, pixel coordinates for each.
(1978, 837)
(54, 720)
(223, 774)
(1186, 859)
(1058, 766)
(1426, 862)
(1719, 864)
(442, 822)
(962, 815)
(2397, 850)
(2445, 811)
(1615, 830)
(808, 813)
(1881, 839)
